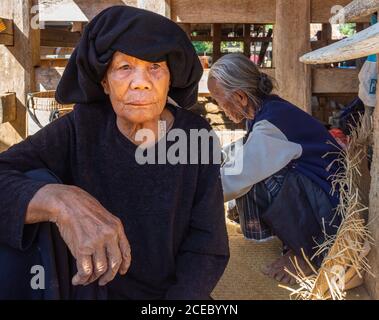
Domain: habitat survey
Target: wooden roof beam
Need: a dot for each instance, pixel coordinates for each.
(360, 45)
(356, 10)
(59, 38)
(6, 32)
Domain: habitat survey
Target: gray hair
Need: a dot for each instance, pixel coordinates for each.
(235, 71)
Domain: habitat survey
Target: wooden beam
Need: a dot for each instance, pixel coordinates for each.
(241, 39)
(293, 78)
(7, 107)
(59, 38)
(335, 81)
(223, 11)
(77, 27)
(244, 11)
(47, 78)
(355, 10)
(315, 45)
(6, 32)
(53, 62)
(372, 284)
(360, 45)
(187, 11)
(17, 65)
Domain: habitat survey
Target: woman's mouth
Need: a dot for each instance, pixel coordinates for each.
(139, 103)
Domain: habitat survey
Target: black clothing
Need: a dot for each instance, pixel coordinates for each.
(173, 215)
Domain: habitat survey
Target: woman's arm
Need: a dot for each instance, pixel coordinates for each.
(88, 229)
(266, 151)
(95, 237)
(49, 149)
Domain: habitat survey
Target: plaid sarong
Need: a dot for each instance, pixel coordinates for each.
(253, 205)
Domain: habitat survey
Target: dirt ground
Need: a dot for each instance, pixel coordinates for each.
(243, 279)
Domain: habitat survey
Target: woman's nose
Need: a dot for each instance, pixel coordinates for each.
(141, 80)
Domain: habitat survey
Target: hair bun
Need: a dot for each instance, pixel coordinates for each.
(265, 84)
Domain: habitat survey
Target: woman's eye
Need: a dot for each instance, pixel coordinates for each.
(125, 67)
(155, 66)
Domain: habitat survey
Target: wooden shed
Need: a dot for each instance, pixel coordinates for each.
(38, 36)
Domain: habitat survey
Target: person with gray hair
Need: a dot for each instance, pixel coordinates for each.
(288, 163)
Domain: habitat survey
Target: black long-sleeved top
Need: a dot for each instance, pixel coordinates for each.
(172, 214)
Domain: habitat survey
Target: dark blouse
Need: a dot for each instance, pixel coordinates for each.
(173, 215)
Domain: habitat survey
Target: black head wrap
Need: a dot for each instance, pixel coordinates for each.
(139, 33)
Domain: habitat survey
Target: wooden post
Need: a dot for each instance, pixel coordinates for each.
(247, 40)
(17, 64)
(291, 41)
(372, 284)
(216, 33)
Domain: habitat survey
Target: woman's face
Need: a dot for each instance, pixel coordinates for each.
(236, 105)
(138, 89)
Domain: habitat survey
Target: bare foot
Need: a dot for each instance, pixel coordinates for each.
(276, 270)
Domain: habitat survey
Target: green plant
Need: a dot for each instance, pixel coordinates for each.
(203, 47)
(347, 29)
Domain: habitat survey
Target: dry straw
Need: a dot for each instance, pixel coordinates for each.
(346, 261)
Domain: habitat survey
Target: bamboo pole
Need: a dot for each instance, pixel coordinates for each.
(360, 45)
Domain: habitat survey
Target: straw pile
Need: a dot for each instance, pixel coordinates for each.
(346, 261)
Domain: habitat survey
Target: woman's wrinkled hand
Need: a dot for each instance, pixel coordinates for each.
(95, 237)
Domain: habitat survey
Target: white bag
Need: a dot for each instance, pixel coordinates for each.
(368, 78)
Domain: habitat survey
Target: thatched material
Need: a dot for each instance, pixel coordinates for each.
(346, 261)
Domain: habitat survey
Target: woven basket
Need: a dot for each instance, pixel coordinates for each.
(45, 101)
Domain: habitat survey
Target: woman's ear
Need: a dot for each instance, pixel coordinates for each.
(242, 98)
(105, 85)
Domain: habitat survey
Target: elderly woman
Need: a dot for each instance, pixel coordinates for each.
(287, 160)
(76, 201)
